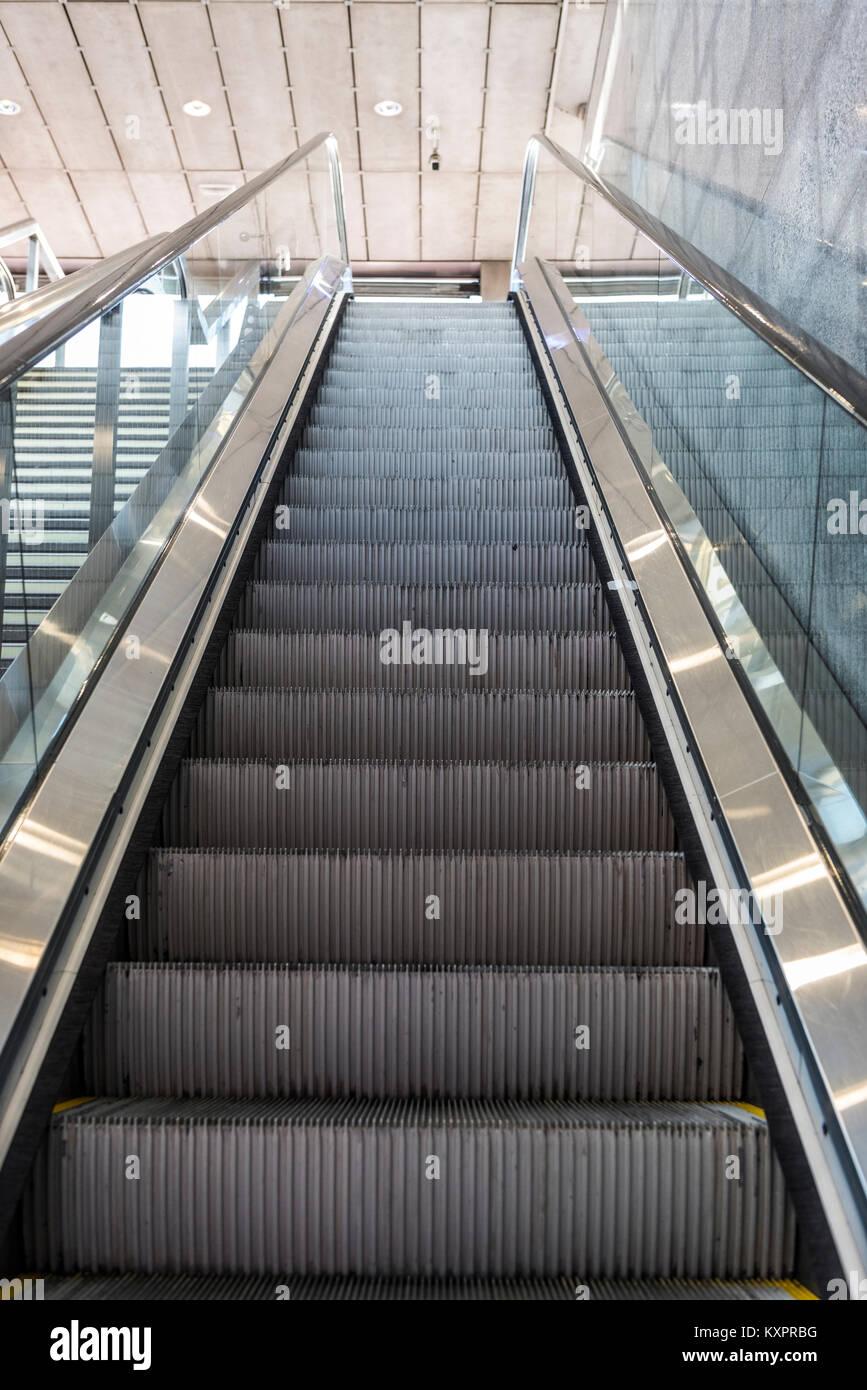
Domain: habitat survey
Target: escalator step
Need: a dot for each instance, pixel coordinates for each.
(390, 433)
(516, 661)
(520, 909)
(347, 1288)
(395, 1187)
(423, 725)
(211, 1030)
(411, 805)
(441, 493)
(375, 607)
(400, 459)
(396, 561)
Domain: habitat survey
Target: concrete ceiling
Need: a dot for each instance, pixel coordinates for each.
(103, 155)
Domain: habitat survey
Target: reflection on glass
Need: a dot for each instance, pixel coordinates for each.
(104, 442)
(763, 476)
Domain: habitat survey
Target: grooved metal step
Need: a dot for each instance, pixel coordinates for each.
(412, 461)
(516, 661)
(506, 1033)
(423, 525)
(379, 607)
(407, 1008)
(509, 726)
(350, 907)
(393, 1187)
(394, 561)
(140, 1288)
(441, 493)
(411, 805)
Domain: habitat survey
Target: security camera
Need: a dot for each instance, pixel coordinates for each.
(434, 161)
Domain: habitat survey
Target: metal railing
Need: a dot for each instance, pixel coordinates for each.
(39, 252)
(75, 302)
(807, 984)
(45, 322)
(835, 376)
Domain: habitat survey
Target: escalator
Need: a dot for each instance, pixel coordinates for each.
(367, 1029)
(382, 989)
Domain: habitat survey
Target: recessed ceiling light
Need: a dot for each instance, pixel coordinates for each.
(197, 108)
(388, 108)
(9, 108)
(217, 187)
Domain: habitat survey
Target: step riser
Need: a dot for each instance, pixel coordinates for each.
(425, 726)
(393, 462)
(372, 524)
(189, 1030)
(340, 560)
(425, 418)
(412, 806)
(339, 1199)
(390, 434)
(136, 1288)
(377, 607)
(442, 494)
(344, 908)
(516, 661)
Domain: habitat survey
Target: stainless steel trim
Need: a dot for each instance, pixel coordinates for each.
(809, 981)
(78, 303)
(49, 847)
(7, 281)
(836, 377)
(38, 249)
(28, 308)
(528, 185)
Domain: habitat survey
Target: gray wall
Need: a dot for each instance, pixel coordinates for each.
(790, 225)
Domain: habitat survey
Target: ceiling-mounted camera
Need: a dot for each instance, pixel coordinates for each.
(432, 133)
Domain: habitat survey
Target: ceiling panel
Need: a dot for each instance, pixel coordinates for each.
(254, 70)
(45, 47)
(453, 75)
(119, 63)
(25, 143)
(164, 200)
(386, 39)
(179, 34)
(205, 181)
(12, 209)
(448, 215)
(578, 55)
(274, 75)
(392, 216)
(51, 199)
(111, 208)
(320, 71)
(499, 195)
(519, 72)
